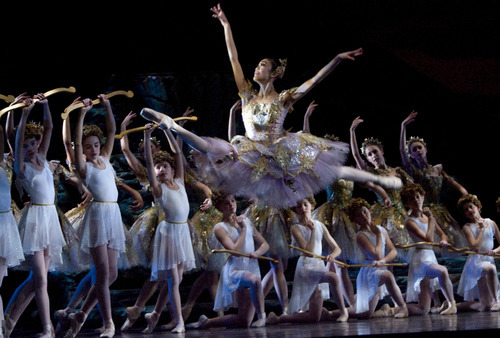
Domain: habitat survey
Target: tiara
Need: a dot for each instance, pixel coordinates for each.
(280, 70)
(414, 139)
(370, 141)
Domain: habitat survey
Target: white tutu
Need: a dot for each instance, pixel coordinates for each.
(102, 224)
(39, 228)
(172, 247)
(11, 248)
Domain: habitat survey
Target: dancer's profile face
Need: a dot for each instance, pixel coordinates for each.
(30, 147)
(91, 147)
(374, 155)
(262, 71)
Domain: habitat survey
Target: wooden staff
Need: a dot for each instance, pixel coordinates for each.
(46, 94)
(342, 264)
(7, 98)
(237, 253)
(448, 247)
(69, 109)
(133, 130)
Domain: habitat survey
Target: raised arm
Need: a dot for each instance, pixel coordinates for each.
(308, 113)
(19, 156)
(80, 163)
(239, 77)
(48, 125)
(132, 161)
(10, 130)
(405, 156)
(150, 168)
(324, 72)
(179, 156)
(107, 149)
(360, 163)
(66, 135)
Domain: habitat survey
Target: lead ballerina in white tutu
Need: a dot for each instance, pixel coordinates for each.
(279, 167)
(11, 248)
(173, 250)
(40, 230)
(479, 280)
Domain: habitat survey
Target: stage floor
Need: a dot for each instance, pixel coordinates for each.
(468, 324)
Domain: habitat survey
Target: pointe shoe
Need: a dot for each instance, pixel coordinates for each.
(64, 313)
(198, 324)
(108, 332)
(152, 319)
(343, 317)
(451, 310)
(402, 313)
(261, 322)
(48, 332)
(133, 313)
(77, 319)
(163, 120)
(179, 329)
(495, 307)
(390, 182)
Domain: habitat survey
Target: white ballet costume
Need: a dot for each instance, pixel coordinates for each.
(11, 248)
(39, 227)
(367, 282)
(308, 272)
(102, 223)
(235, 267)
(475, 264)
(420, 260)
(172, 242)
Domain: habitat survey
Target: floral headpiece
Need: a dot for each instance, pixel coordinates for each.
(280, 70)
(370, 142)
(412, 140)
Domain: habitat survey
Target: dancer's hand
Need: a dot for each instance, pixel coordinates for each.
(310, 109)
(207, 203)
(41, 98)
(128, 120)
(410, 118)
(357, 121)
(218, 13)
(351, 54)
(149, 129)
(104, 100)
(309, 224)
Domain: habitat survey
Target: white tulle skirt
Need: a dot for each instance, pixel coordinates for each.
(172, 247)
(11, 248)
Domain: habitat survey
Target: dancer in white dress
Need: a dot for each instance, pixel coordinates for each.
(40, 230)
(424, 273)
(307, 292)
(374, 283)
(102, 229)
(240, 283)
(479, 279)
(173, 250)
(11, 248)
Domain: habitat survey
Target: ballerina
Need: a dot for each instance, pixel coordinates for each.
(280, 168)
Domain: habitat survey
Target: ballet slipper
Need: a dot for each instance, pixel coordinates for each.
(495, 307)
(77, 319)
(133, 313)
(285, 310)
(260, 322)
(109, 332)
(402, 313)
(48, 332)
(198, 324)
(100, 330)
(163, 120)
(64, 313)
(152, 319)
(344, 316)
(179, 329)
(390, 182)
(451, 310)
(272, 319)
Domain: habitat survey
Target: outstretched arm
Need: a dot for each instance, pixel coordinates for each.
(324, 72)
(405, 156)
(48, 126)
(150, 168)
(218, 13)
(361, 164)
(19, 156)
(132, 161)
(81, 168)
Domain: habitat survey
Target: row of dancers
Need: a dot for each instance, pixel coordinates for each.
(280, 171)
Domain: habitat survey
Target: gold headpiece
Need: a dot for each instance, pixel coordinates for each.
(280, 70)
(332, 137)
(414, 139)
(370, 142)
(32, 129)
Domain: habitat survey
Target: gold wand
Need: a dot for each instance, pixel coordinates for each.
(69, 109)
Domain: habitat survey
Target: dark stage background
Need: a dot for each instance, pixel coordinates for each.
(437, 57)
